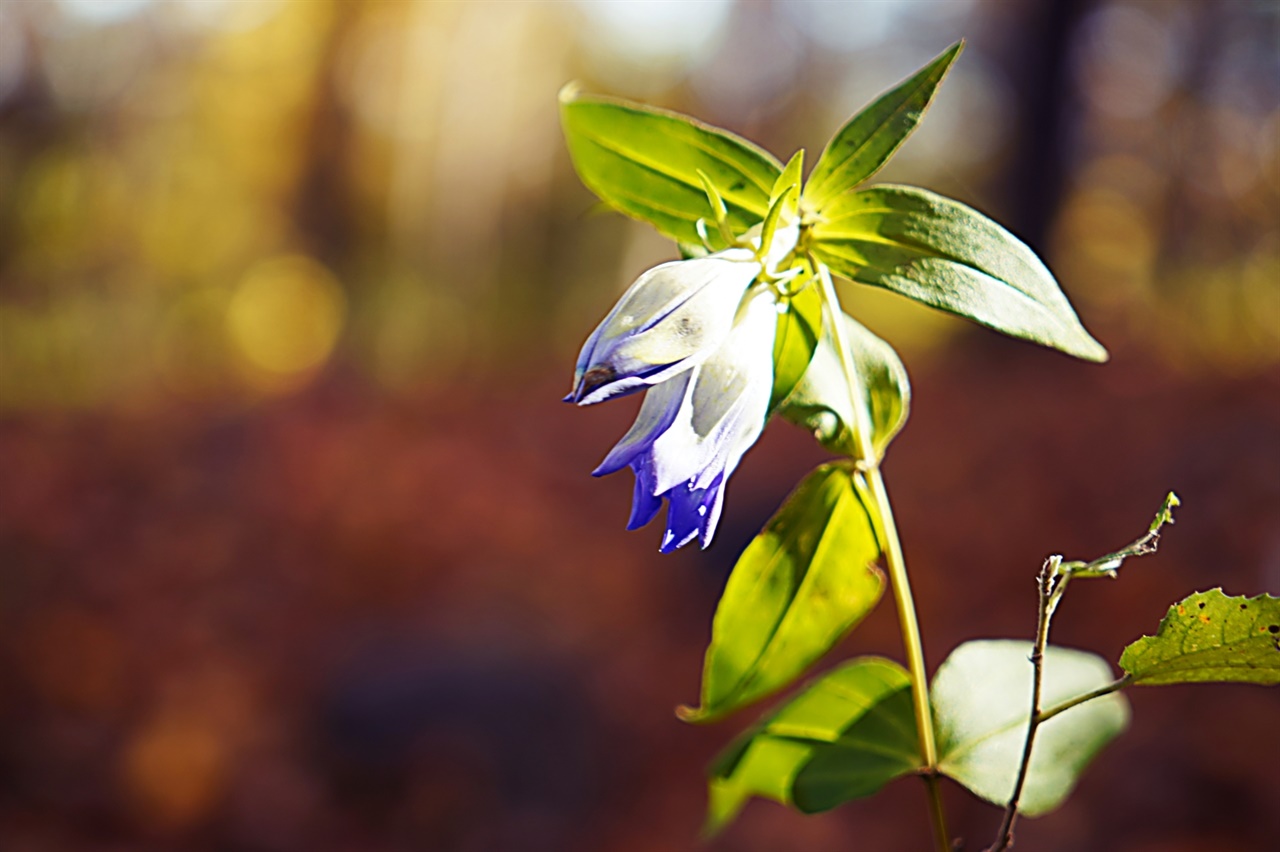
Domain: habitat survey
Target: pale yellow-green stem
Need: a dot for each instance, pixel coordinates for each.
(894, 561)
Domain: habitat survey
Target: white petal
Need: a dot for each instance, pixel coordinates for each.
(661, 406)
(725, 413)
(669, 320)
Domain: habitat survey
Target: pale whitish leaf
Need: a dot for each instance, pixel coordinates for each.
(981, 704)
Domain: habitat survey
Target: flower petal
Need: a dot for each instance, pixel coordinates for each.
(694, 513)
(660, 408)
(694, 429)
(669, 320)
(644, 503)
(726, 410)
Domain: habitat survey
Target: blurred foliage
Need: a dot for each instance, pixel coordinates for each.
(383, 183)
(302, 624)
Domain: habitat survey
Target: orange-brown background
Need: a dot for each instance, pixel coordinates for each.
(298, 550)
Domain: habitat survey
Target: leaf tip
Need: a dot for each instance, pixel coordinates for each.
(948, 57)
(693, 715)
(723, 805)
(1091, 350)
(569, 92)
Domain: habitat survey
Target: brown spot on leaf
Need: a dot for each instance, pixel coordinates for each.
(1204, 618)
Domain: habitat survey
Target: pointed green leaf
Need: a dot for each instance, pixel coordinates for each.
(799, 587)
(844, 737)
(774, 217)
(1210, 637)
(820, 402)
(949, 256)
(789, 179)
(869, 139)
(645, 163)
(799, 328)
(981, 702)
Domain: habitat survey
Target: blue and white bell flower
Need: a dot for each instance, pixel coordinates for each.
(670, 320)
(699, 334)
(694, 429)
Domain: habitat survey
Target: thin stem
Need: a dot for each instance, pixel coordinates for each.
(1114, 686)
(901, 585)
(1051, 586)
(897, 566)
(1053, 580)
(937, 816)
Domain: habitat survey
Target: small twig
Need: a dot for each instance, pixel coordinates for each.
(1107, 566)
(1114, 686)
(1054, 576)
(1052, 583)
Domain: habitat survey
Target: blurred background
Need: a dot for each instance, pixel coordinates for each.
(298, 549)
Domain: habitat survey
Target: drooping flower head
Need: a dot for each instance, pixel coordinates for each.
(694, 429)
(671, 319)
(699, 335)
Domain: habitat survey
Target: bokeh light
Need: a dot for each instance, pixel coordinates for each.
(298, 548)
(285, 316)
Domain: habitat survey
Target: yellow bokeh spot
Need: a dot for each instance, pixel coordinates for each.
(284, 318)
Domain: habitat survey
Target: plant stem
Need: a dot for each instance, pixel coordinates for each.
(898, 580)
(911, 642)
(1114, 686)
(1051, 586)
(1052, 583)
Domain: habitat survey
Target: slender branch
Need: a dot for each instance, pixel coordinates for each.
(1114, 686)
(895, 562)
(1053, 580)
(1148, 543)
(1051, 586)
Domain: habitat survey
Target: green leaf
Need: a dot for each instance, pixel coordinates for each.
(692, 250)
(981, 702)
(790, 179)
(1210, 637)
(821, 404)
(949, 256)
(773, 218)
(844, 737)
(799, 328)
(645, 163)
(869, 139)
(800, 585)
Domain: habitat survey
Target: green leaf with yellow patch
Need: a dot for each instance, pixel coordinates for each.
(1208, 637)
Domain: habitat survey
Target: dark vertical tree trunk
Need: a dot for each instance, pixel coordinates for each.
(1047, 104)
(324, 203)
